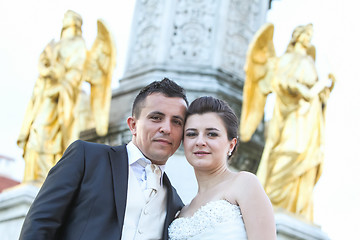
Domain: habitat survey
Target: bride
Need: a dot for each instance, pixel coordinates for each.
(228, 205)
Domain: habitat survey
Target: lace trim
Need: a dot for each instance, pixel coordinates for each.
(205, 218)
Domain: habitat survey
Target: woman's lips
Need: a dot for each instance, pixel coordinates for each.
(201, 153)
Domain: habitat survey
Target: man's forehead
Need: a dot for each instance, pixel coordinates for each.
(158, 102)
(160, 98)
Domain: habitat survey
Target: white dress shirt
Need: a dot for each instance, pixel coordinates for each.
(134, 154)
(139, 214)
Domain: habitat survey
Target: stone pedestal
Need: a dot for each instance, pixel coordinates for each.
(290, 227)
(14, 205)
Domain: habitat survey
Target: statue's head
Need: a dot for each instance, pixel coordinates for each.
(301, 34)
(73, 21)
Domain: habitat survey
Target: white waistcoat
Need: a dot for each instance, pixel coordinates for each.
(143, 220)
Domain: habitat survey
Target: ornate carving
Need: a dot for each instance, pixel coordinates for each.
(193, 30)
(147, 35)
(241, 26)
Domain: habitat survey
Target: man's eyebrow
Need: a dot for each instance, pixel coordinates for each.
(156, 113)
(163, 114)
(179, 117)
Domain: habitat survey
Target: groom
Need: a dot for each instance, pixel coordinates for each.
(97, 191)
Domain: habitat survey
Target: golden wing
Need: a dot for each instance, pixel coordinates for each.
(257, 81)
(99, 67)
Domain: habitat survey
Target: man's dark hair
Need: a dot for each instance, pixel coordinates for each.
(166, 86)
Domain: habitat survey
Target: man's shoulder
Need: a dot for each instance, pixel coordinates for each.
(98, 146)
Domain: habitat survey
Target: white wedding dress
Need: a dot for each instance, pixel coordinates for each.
(216, 220)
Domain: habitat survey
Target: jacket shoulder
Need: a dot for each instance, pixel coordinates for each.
(86, 144)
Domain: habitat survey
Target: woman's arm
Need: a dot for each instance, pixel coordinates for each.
(256, 207)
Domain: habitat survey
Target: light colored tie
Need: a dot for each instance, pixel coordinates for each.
(153, 175)
(152, 178)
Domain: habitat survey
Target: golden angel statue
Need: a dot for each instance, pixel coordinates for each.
(52, 118)
(292, 159)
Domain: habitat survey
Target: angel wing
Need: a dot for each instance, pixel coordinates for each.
(257, 81)
(98, 71)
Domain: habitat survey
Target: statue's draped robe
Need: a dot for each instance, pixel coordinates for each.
(50, 122)
(293, 156)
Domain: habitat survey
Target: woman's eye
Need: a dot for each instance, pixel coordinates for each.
(212, 134)
(190, 134)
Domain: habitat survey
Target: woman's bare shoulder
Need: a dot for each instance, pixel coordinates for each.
(246, 184)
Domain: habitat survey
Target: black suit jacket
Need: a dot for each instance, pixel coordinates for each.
(84, 196)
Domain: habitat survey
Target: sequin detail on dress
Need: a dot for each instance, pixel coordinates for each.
(216, 220)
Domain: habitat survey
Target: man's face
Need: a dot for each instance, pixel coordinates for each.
(158, 130)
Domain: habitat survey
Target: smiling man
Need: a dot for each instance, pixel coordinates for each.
(157, 130)
(97, 191)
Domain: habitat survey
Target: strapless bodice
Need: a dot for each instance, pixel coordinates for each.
(216, 220)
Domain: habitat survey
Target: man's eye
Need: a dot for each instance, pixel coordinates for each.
(155, 118)
(178, 122)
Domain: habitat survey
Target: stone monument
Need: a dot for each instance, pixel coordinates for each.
(199, 44)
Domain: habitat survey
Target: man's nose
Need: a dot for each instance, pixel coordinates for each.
(166, 127)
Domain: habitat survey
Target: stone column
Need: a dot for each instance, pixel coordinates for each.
(199, 44)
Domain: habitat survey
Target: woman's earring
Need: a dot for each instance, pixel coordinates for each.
(229, 153)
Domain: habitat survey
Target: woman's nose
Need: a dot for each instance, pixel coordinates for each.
(200, 141)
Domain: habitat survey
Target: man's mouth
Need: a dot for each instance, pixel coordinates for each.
(164, 141)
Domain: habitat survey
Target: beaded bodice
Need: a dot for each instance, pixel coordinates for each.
(216, 220)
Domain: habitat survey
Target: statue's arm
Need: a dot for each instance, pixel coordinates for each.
(310, 93)
(305, 80)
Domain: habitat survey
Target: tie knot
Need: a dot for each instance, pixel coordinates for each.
(153, 168)
(153, 176)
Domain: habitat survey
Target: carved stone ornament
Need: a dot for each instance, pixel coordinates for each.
(193, 33)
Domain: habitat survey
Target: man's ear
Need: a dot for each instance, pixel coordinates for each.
(131, 122)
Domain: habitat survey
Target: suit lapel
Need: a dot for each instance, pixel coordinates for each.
(173, 205)
(120, 173)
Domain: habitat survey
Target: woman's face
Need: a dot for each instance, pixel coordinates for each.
(206, 142)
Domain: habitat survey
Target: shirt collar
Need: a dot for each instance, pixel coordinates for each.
(135, 154)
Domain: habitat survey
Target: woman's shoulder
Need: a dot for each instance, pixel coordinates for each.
(245, 178)
(246, 184)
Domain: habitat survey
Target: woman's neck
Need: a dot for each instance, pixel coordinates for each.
(208, 180)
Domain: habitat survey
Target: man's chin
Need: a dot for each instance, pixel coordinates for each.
(160, 159)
